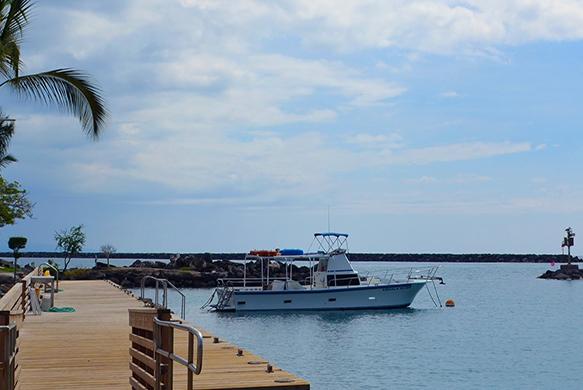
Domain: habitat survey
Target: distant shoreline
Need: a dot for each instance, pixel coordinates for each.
(355, 257)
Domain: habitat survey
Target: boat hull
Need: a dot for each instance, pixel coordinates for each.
(349, 298)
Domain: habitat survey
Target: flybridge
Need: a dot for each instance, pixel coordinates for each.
(330, 241)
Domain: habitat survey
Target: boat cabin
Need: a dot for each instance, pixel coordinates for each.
(329, 266)
(334, 270)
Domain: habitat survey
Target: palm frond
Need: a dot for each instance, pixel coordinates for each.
(7, 159)
(6, 132)
(16, 18)
(9, 58)
(68, 89)
(13, 19)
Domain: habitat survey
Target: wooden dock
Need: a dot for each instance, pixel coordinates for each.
(90, 348)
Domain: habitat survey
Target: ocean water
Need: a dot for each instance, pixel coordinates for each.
(509, 330)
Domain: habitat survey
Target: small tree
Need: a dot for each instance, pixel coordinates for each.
(71, 242)
(16, 244)
(108, 250)
(13, 203)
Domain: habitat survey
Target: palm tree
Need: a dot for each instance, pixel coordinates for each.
(65, 88)
(6, 132)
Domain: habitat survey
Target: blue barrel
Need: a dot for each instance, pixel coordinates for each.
(291, 252)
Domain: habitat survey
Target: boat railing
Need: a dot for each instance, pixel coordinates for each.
(161, 293)
(400, 275)
(246, 282)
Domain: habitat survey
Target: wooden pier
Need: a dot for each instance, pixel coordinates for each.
(90, 348)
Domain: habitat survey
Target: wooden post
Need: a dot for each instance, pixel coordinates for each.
(4, 317)
(5, 373)
(23, 298)
(167, 344)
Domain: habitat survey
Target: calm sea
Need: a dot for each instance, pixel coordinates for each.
(508, 330)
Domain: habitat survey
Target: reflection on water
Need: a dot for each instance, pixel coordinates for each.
(334, 316)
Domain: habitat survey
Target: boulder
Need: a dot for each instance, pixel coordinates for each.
(99, 264)
(547, 275)
(148, 264)
(563, 274)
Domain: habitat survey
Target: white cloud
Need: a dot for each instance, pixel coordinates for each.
(422, 180)
(431, 26)
(253, 88)
(459, 179)
(476, 27)
(455, 152)
(202, 92)
(376, 141)
(279, 166)
(471, 178)
(449, 94)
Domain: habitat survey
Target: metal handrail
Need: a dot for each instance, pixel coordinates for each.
(242, 282)
(193, 369)
(165, 283)
(40, 271)
(182, 298)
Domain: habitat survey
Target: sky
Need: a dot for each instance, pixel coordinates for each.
(422, 126)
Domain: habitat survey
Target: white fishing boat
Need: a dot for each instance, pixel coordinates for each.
(333, 284)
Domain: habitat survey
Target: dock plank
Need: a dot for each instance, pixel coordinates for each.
(89, 349)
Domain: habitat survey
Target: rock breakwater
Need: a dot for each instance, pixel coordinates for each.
(564, 273)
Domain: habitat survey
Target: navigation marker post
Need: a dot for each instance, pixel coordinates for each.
(568, 241)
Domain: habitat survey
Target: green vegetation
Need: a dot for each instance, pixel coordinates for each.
(6, 132)
(16, 244)
(7, 269)
(71, 242)
(65, 88)
(76, 274)
(13, 203)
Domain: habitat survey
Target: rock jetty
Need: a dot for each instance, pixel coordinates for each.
(571, 272)
(393, 257)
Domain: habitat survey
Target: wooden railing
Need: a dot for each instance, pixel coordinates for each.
(143, 362)
(152, 350)
(16, 300)
(13, 307)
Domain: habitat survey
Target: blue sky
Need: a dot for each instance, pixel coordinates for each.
(425, 126)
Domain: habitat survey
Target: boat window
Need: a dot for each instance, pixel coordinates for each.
(343, 280)
(323, 265)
